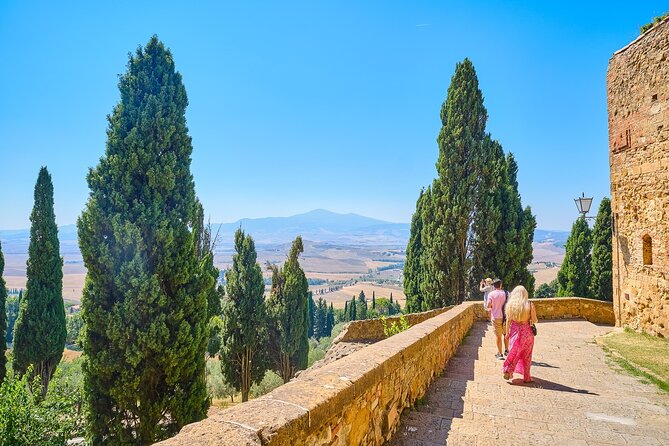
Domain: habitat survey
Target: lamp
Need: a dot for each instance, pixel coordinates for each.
(583, 204)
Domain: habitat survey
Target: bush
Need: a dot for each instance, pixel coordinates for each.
(217, 387)
(269, 382)
(26, 418)
(395, 327)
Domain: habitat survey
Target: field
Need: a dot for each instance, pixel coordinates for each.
(351, 268)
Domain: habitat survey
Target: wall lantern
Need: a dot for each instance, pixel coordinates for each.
(583, 204)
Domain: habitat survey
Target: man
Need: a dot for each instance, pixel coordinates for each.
(496, 301)
(486, 288)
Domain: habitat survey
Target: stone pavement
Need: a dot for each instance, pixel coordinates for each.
(576, 399)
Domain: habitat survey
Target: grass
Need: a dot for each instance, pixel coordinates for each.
(641, 355)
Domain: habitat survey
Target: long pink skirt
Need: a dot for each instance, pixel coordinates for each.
(521, 343)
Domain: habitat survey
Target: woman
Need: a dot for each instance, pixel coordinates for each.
(519, 312)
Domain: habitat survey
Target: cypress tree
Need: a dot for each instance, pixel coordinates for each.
(352, 310)
(447, 235)
(373, 300)
(601, 284)
(3, 319)
(487, 252)
(321, 319)
(331, 319)
(361, 311)
(574, 275)
(414, 256)
(243, 360)
(312, 308)
(40, 330)
(145, 299)
(288, 307)
(346, 313)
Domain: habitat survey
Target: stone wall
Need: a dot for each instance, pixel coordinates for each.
(595, 311)
(358, 399)
(372, 329)
(638, 105)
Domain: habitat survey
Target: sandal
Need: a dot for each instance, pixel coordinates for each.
(507, 376)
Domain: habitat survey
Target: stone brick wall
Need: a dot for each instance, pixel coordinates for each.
(638, 105)
(358, 399)
(372, 329)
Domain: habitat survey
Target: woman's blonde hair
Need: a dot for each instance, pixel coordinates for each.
(518, 304)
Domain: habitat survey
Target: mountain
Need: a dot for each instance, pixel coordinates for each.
(319, 225)
(557, 238)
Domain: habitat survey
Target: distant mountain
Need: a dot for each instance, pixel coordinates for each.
(319, 225)
(557, 238)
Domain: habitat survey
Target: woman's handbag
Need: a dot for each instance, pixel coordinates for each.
(532, 326)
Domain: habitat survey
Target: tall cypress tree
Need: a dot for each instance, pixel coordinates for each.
(40, 330)
(601, 283)
(373, 300)
(414, 255)
(312, 308)
(574, 275)
(145, 299)
(243, 355)
(361, 310)
(447, 220)
(3, 319)
(288, 307)
(330, 319)
(321, 319)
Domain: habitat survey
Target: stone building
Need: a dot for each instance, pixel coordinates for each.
(638, 105)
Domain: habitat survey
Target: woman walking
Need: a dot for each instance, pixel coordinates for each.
(520, 319)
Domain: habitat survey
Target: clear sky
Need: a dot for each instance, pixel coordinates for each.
(315, 104)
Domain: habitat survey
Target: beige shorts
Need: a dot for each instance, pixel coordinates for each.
(499, 327)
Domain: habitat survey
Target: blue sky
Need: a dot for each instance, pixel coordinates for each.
(315, 104)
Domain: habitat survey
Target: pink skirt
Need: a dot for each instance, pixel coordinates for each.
(521, 343)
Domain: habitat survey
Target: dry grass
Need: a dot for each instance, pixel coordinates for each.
(71, 355)
(339, 298)
(640, 354)
(545, 275)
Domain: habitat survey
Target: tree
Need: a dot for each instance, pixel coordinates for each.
(244, 318)
(361, 310)
(145, 298)
(373, 300)
(346, 313)
(330, 320)
(39, 332)
(601, 283)
(3, 319)
(574, 275)
(321, 319)
(413, 273)
(312, 309)
(352, 310)
(547, 289)
(447, 219)
(288, 308)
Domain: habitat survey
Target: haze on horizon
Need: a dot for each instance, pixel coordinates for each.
(300, 106)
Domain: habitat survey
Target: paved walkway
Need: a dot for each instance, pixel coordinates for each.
(576, 399)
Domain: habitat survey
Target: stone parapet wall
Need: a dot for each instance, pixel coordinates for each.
(372, 329)
(358, 399)
(595, 311)
(637, 83)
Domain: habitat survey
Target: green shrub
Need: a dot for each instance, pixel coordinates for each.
(217, 387)
(394, 327)
(269, 382)
(27, 419)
